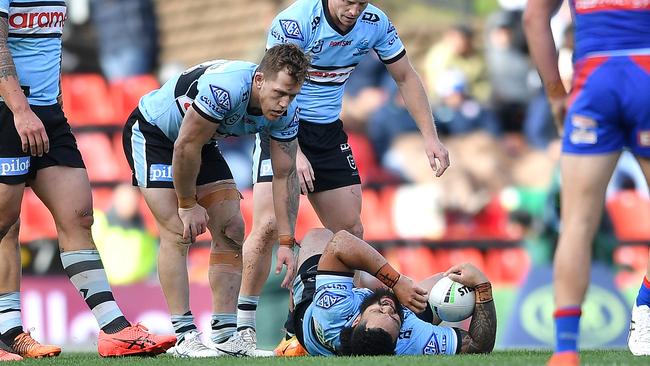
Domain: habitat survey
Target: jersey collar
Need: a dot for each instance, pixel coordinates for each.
(330, 20)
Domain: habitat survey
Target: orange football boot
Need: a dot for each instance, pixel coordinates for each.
(290, 348)
(564, 359)
(27, 347)
(8, 356)
(134, 340)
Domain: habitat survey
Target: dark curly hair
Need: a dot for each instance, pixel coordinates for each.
(363, 341)
(287, 57)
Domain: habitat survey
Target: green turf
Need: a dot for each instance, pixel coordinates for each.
(497, 358)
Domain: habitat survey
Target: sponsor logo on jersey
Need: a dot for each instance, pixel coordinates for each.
(432, 346)
(393, 40)
(370, 18)
(391, 28)
(335, 286)
(38, 19)
(276, 34)
(405, 334)
(211, 105)
(644, 138)
(221, 96)
(232, 119)
(160, 173)
(291, 29)
(584, 130)
(314, 23)
(443, 344)
(587, 6)
(342, 43)
(14, 166)
(328, 299)
(266, 168)
(351, 162)
(345, 147)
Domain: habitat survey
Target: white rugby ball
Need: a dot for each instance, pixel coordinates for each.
(451, 301)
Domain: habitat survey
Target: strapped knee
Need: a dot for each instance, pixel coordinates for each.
(222, 192)
(226, 261)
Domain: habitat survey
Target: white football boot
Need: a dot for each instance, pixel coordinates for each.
(192, 347)
(242, 344)
(639, 339)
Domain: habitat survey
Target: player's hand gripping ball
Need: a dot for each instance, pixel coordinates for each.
(451, 301)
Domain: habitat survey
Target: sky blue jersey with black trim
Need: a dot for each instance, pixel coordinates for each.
(337, 304)
(334, 53)
(34, 40)
(219, 91)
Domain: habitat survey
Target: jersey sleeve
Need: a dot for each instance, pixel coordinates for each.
(214, 99)
(288, 28)
(336, 299)
(389, 46)
(418, 337)
(286, 129)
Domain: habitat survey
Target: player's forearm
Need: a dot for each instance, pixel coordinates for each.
(483, 327)
(286, 187)
(286, 198)
(542, 48)
(354, 253)
(186, 163)
(417, 104)
(10, 89)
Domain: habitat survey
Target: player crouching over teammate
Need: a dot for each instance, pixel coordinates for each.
(333, 315)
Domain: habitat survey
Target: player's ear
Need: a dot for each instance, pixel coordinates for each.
(258, 79)
(356, 321)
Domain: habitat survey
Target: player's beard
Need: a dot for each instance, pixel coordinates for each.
(377, 295)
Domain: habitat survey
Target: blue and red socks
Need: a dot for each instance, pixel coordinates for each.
(643, 298)
(567, 328)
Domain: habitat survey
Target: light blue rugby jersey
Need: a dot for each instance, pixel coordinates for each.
(220, 92)
(334, 54)
(34, 40)
(337, 303)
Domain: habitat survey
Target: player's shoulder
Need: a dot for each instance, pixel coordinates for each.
(299, 19)
(373, 16)
(227, 84)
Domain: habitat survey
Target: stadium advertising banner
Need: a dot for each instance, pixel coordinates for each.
(605, 313)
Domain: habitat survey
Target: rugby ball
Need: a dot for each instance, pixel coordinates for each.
(451, 301)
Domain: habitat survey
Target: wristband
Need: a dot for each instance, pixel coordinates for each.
(483, 292)
(555, 90)
(187, 202)
(388, 275)
(287, 241)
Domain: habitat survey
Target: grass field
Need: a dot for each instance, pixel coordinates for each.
(616, 357)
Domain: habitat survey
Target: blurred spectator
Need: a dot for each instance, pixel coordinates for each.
(509, 69)
(456, 50)
(127, 249)
(458, 112)
(388, 122)
(127, 36)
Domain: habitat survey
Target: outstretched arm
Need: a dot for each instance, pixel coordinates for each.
(482, 331)
(417, 103)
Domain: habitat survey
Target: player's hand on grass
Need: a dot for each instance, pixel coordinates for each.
(410, 294)
(466, 274)
(195, 221)
(285, 257)
(438, 155)
(558, 109)
(33, 137)
(305, 173)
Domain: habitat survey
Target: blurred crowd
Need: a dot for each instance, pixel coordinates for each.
(486, 96)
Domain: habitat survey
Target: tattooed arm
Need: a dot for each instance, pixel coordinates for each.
(30, 128)
(286, 197)
(482, 331)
